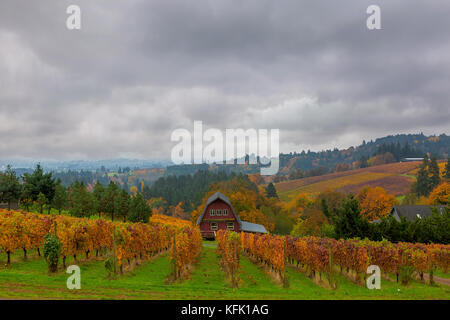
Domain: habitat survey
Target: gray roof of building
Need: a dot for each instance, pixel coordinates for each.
(411, 213)
(253, 227)
(213, 198)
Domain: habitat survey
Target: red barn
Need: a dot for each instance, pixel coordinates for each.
(218, 214)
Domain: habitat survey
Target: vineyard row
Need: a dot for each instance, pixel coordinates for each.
(82, 236)
(320, 255)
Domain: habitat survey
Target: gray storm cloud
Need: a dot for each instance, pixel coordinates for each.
(139, 69)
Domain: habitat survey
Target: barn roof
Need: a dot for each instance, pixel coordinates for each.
(411, 213)
(253, 227)
(214, 197)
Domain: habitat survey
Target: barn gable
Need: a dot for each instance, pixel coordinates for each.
(223, 221)
(214, 197)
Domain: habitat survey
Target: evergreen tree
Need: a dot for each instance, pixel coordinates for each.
(350, 223)
(139, 211)
(41, 200)
(437, 226)
(111, 192)
(422, 186)
(10, 188)
(99, 198)
(122, 204)
(363, 162)
(324, 208)
(433, 173)
(271, 192)
(82, 201)
(39, 182)
(61, 198)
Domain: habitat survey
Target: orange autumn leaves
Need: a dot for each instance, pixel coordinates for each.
(83, 236)
(267, 249)
(186, 246)
(169, 221)
(375, 203)
(229, 249)
(315, 254)
(357, 255)
(319, 255)
(22, 231)
(440, 195)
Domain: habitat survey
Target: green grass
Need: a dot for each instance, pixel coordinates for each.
(29, 279)
(408, 175)
(441, 274)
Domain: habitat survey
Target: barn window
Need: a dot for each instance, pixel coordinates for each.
(219, 212)
(230, 225)
(212, 212)
(225, 212)
(214, 226)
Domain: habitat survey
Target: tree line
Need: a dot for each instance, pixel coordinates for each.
(349, 223)
(42, 190)
(397, 146)
(367, 215)
(188, 189)
(399, 151)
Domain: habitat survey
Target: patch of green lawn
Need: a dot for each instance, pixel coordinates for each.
(441, 274)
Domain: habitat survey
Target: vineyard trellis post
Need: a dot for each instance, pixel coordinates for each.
(285, 283)
(331, 278)
(233, 271)
(175, 255)
(114, 249)
(431, 274)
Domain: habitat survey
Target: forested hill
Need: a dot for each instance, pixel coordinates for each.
(388, 149)
(188, 189)
(400, 146)
(381, 151)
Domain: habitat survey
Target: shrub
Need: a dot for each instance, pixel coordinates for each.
(109, 265)
(52, 251)
(406, 273)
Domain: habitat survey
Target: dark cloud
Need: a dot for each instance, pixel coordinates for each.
(139, 69)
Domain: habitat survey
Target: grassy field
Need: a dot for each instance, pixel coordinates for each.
(395, 178)
(29, 280)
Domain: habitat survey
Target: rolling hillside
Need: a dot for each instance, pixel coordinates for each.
(396, 178)
(400, 146)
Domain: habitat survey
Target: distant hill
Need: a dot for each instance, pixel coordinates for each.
(139, 173)
(395, 178)
(401, 146)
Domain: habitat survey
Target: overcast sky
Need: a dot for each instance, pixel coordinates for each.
(139, 69)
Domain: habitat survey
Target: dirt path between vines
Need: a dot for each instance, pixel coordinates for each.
(439, 280)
